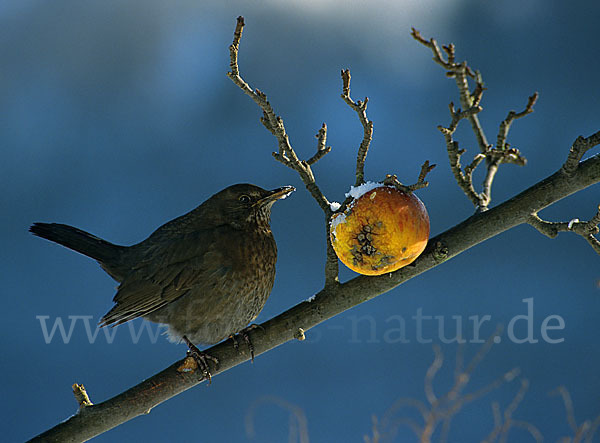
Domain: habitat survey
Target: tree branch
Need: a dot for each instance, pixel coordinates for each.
(286, 154)
(580, 146)
(444, 408)
(510, 118)
(274, 124)
(333, 299)
(328, 303)
(426, 168)
(361, 110)
(587, 230)
(470, 102)
(321, 148)
(461, 72)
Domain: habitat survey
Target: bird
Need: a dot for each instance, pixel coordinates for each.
(205, 275)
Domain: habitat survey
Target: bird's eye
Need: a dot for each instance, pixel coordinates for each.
(244, 198)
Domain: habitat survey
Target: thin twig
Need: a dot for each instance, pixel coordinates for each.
(588, 230)
(274, 124)
(580, 146)
(461, 72)
(329, 302)
(361, 110)
(374, 431)
(297, 417)
(286, 154)
(512, 116)
(392, 180)
(444, 408)
(360, 107)
(322, 149)
(568, 404)
(81, 396)
(493, 435)
(503, 423)
(463, 179)
(512, 407)
(533, 431)
(470, 101)
(593, 428)
(431, 373)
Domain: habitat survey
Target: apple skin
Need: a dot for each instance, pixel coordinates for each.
(381, 231)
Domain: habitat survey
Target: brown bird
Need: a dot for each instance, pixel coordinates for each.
(206, 274)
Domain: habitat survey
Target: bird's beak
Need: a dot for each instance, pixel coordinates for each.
(276, 194)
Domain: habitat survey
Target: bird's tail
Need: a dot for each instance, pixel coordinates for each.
(78, 240)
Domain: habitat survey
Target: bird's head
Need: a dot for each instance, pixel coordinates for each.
(245, 203)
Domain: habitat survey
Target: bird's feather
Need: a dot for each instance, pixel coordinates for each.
(168, 272)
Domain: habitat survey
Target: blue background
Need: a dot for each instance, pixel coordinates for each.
(117, 116)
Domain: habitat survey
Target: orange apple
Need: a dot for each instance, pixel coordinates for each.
(381, 230)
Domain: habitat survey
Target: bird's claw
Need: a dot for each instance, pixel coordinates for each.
(246, 337)
(201, 359)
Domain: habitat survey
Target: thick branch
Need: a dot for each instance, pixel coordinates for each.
(334, 299)
(331, 301)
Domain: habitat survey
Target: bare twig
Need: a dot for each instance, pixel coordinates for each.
(460, 72)
(580, 146)
(81, 396)
(493, 435)
(361, 110)
(403, 403)
(464, 179)
(512, 407)
(533, 430)
(470, 102)
(442, 409)
(592, 430)
(274, 124)
(583, 432)
(374, 431)
(332, 299)
(587, 230)
(286, 154)
(568, 403)
(322, 150)
(431, 373)
(457, 115)
(503, 423)
(298, 422)
(512, 116)
(392, 180)
(329, 302)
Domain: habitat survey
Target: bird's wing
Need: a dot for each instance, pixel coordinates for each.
(168, 271)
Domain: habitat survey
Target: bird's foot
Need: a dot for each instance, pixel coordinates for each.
(246, 337)
(201, 359)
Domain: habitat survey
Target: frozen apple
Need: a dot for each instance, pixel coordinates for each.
(382, 229)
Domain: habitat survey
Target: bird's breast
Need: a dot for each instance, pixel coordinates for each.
(208, 313)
